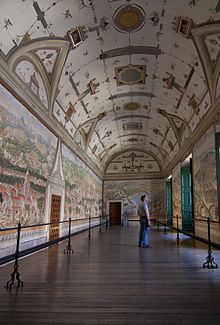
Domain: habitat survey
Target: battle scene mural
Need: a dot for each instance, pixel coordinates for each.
(130, 192)
(83, 188)
(204, 176)
(27, 152)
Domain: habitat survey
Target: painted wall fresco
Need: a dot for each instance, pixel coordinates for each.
(176, 192)
(83, 188)
(131, 191)
(27, 152)
(204, 175)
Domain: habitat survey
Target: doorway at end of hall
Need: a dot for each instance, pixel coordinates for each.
(115, 213)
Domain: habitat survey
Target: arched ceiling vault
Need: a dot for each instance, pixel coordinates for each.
(121, 82)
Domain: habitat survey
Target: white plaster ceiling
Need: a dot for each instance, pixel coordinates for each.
(79, 86)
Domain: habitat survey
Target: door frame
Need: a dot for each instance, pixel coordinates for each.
(48, 204)
(51, 226)
(122, 208)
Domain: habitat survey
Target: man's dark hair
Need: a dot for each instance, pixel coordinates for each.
(142, 198)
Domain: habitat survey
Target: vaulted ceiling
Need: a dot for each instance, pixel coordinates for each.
(125, 84)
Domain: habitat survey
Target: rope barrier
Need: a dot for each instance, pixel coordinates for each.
(210, 264)
(15, 275)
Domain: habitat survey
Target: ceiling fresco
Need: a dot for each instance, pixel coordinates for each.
(126, 82)
(133, 162)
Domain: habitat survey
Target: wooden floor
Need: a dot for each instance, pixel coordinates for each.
(110, 280)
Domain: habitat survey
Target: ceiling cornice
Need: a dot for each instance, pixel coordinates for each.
(132, 176)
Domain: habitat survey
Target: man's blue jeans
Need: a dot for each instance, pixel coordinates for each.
(143, 236)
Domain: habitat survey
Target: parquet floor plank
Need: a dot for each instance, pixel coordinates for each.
(111, 281)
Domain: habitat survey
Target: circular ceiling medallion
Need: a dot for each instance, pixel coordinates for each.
(132, 106)
(129, 18)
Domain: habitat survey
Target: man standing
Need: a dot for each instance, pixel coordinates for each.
(144, 215)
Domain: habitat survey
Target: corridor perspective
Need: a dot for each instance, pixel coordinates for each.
(109, 113)
(110, 280)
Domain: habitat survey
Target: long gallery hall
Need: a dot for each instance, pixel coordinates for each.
(110, 280)
(109, 121)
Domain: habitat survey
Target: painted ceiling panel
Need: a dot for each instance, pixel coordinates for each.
(30, 76)
(48, 58)
(132, 76)
(213, 44)
(205, 105)
(174, 152)
(112, 40)
(132, 162)
(59, 113)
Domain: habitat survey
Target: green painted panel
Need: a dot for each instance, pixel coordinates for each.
(186, 195)
(169, 205)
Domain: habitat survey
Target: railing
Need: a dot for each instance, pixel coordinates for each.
(209, 259)
(68, 250)
(152, 219)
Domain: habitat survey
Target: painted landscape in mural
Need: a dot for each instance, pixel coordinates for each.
(131, 191)
(205, 186)
(27, 152)
(83, 188)
(176, 192)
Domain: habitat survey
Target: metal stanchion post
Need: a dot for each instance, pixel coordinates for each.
(100, 225)
(210, 264)
(15, 273)
(165, 227)
(89, 235)
(106, 221)
(177, 231)
(69, 249)
(158, 225)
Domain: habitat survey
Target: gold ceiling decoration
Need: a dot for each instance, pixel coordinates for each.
(132, 106)
(130, 74)
(129, 18)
